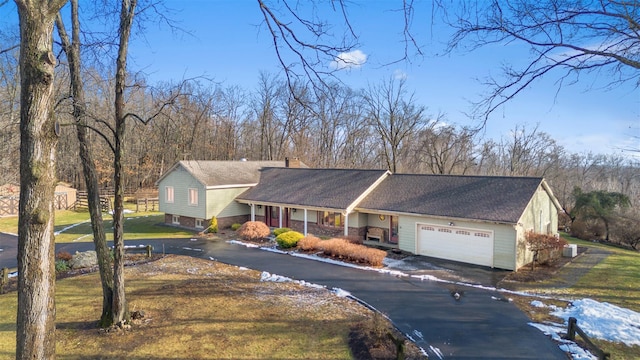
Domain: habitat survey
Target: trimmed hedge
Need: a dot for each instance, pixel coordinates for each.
(235, 226)
(289, 239)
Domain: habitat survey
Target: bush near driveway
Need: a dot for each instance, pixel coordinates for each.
(254, 230)
(288, 239)
(343, 249)
(279, 231)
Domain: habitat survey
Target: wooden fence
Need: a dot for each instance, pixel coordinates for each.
(9, 205)
(574, 329)
(4, 278)
(146, 204)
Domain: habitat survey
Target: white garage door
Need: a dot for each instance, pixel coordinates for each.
(472, 246)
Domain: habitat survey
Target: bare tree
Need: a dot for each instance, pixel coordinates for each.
(566, 39)
(35, 331)
(393, 113)
(71, 48)
(445, 149)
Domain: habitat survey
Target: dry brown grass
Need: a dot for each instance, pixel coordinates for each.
(200, 309)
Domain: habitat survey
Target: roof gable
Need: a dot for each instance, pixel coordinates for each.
(224, 173)
(488, 198)
(320, 188)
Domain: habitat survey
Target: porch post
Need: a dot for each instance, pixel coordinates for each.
(346, 224)
(305, 222)
(280, 217)
(253, 212)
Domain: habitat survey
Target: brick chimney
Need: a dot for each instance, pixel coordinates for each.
(292, 163)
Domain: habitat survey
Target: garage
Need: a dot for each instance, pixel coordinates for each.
(473, 246)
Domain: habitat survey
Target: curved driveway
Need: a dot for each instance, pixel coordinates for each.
(477, 326)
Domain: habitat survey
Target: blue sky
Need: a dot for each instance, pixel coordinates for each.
(227, 43)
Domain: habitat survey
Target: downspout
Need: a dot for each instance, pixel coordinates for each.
(305, 222)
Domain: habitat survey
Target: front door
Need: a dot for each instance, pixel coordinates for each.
(393, 227)
(273, 216)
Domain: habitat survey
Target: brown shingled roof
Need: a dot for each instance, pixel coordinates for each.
(225, 173)
(320, 188)
(488, 198)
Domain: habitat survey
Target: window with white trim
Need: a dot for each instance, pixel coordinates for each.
(168, 191)
(193, 197)
(199, 223)
(175, 219)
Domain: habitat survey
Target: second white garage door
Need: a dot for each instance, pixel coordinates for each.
(471, 246)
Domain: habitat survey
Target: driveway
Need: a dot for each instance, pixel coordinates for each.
(479, 325)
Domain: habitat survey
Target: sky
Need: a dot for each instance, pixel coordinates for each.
(224, 40)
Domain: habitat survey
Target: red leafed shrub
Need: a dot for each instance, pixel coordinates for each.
(64, 256)
(309, 243)
(342, 248)
(253, 230)
(545, 247)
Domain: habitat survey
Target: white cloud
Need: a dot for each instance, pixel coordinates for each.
(349, 60)
(399, 74)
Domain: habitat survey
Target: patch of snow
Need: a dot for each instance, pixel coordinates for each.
(604, 321)
(436, 351)
(1, 250)
(554, 330)
(341, 293)
(192, 239)
(398, 264)
(125, 211)
(266, 276)
(12, 274)
(249, 245)
(241, 268)
(538, 304)
(81, 237)
(212, 259)
(191, 249)
(418, 334)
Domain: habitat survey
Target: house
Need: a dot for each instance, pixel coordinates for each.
(473, 219)
(193, 192)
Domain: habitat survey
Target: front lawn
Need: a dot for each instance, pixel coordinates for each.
(73, 226)
(201, 309)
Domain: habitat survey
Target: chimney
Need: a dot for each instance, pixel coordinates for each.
(292, 163)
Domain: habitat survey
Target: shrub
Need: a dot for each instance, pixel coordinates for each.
(64, 256)
(343, 249)
(235, 226)
(309, 243)
(545, 247)
(213, 225)
(289, 239)
(253, 230)
(62, 265)
(279, 231)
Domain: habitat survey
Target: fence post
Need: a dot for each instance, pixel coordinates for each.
(571, 330)
(4, 279)
(149, 249)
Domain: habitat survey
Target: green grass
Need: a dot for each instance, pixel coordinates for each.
(615, 280)
(140, 225)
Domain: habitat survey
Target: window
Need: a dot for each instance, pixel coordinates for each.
(175, 219)
(443, 230)
(484, 235)
(193, 197)
(333, 219)
(462, 232)
(199, 224)
(168, 191)
(427, 228)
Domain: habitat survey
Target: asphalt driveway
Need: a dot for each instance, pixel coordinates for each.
(478, 325)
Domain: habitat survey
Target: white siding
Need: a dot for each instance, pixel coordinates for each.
(503, 242)
(221, 203)
(541, 216)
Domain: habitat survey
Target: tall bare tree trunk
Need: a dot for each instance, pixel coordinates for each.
(120, 310)
(72, 50)
(35, 331)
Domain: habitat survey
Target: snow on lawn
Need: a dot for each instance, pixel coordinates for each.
(599, 320)
(604, 321)
(70, 227)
